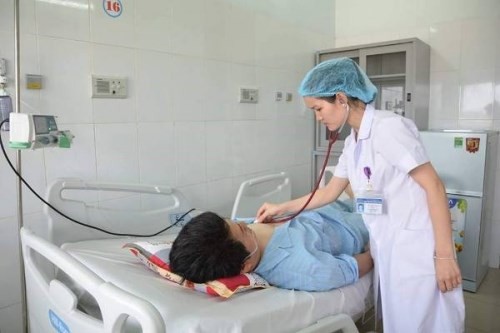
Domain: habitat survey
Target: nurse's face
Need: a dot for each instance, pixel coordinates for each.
(331, 114)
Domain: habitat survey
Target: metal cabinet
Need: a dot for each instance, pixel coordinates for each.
(400, 71)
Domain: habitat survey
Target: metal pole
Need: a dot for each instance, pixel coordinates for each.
(18, 163)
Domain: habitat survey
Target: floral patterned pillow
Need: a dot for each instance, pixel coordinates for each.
(155, 254)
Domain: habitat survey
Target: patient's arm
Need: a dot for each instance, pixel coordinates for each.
(365, 262)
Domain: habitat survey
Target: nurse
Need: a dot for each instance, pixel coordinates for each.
(401, 197)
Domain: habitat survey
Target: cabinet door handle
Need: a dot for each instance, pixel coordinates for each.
(408, 97)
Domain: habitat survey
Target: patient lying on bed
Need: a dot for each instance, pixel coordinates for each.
(316, 251)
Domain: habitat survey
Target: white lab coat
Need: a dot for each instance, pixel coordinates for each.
(401, 239)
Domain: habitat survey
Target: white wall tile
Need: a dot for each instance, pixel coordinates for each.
(220, 196)
(29, 60)
(119, 30)
(65, 66)
(270, 37)
(78, 161)
(477, 94)
(303, 140)
(116, 152)
(219, 148)
(27, 12)
(450, 10)
(196, 195)
(157, 157)
(244, 147)
(63, 19)
(11, 319)
(7, 52)
(216, 27)
(188, 87)
(242, 35)
(444, 95)
(284, 136)
(116, 62)
(497, 43)
(10, 285)
(155, 86)
(242, 76)
(496, 108)
(8, 180)
(445, 42)
(33, 171)
(494, 258)
(435, 123)
(153, 25)
(478, 44)
(475, 124)
(190, 152)
(7, 16)
(187, 29)
(301, 179)
(217, 98)
(37, 223)
(268, 83)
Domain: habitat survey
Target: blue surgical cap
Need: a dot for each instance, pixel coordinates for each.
(338, 75)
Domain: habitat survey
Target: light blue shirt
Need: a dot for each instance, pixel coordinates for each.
(314, 251)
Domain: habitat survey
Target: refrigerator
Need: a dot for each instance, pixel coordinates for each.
(466, 163)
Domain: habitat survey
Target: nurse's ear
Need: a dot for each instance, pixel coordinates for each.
(342, 99)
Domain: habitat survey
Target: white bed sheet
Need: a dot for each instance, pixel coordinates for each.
(185, 310)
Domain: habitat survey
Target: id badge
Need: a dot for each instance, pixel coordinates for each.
(370, 203)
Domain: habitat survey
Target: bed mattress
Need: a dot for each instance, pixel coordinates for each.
(186, 310)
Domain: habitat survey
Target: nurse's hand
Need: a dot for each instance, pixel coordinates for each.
(267, 211)
(447, 274)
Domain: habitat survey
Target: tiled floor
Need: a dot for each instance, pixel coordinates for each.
(482, 309)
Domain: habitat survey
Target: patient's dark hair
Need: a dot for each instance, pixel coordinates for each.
(204, 250)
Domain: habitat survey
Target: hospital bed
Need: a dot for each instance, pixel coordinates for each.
(82, 280)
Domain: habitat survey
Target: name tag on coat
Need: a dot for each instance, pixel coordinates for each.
(370, 203)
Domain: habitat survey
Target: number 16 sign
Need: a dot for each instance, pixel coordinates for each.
(113, 8)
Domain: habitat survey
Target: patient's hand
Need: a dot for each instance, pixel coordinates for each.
(365, 262)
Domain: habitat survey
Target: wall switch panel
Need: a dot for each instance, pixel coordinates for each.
(109, 87)
(249, 95)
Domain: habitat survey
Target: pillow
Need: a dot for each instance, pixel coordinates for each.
(155, 255)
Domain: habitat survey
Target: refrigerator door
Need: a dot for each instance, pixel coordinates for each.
(468, 236)
(459, 159)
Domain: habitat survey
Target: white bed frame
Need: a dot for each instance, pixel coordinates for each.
(52, 306)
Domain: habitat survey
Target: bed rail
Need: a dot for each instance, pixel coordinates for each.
(131, 209)
(254, 192)
(53, 305)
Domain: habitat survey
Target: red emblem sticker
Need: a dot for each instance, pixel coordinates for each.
(472, 144)
(113, 8)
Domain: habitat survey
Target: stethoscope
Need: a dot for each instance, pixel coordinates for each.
(331, 140)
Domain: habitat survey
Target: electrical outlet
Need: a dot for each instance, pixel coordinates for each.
(109, 87)
(176, 216)
(249, 95)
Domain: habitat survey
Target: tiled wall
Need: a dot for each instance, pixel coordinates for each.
(465, 60)
(181, 123)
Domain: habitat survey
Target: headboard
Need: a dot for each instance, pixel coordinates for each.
(254, 192)
(120, 208)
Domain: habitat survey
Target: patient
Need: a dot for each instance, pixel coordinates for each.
(316, 251)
